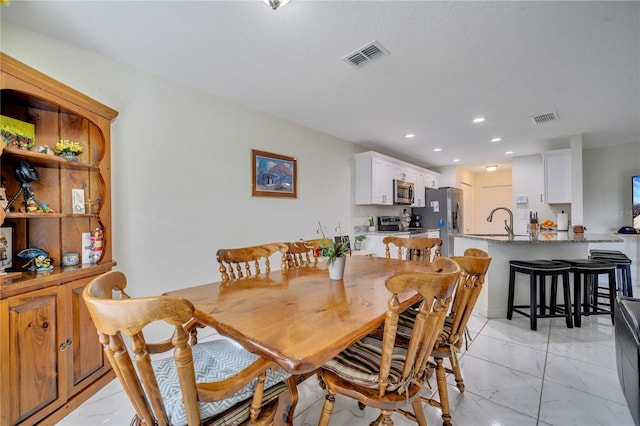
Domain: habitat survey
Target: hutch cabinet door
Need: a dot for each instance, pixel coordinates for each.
(86, 360)
(32, 333)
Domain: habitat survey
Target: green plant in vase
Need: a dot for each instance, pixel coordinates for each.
(335, 248)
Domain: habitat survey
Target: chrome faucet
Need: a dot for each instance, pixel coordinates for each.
(507, 226)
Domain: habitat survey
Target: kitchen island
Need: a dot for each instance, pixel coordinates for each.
(492, 302)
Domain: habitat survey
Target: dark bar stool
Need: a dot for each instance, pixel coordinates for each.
(623, 268)
(585, 285)
(538, 271)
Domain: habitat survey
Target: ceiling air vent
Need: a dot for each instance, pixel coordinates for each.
(366, 54)
(545, 118)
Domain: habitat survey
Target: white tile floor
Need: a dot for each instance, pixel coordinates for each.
(513, 376)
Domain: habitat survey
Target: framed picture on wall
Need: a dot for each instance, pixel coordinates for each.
(6, 246)
(273, 175)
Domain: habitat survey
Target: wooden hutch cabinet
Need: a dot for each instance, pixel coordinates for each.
(51, 359)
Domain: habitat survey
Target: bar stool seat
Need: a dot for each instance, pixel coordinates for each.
(585, 286)
(623, 268)
(538, 271)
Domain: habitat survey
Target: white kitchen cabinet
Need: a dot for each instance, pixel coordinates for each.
(418, 198)
(375, 173)
(374, 181)
(557, 176)
(432, 179)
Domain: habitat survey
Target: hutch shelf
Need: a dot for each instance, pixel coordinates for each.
(51, 358)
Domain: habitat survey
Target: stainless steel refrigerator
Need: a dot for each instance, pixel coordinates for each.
(443, 210)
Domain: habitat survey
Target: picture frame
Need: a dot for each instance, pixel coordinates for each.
(77, 201)
(273, 175)
(6, 246)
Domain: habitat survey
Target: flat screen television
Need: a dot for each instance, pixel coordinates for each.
(635, 201)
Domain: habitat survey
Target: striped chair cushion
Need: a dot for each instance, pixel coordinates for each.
(408, 318)
(214, 361)
(360, 363)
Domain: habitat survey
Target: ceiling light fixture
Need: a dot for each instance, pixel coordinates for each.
(508, 152)
(437, 149)
(456, 160)
(276, 3)
(491, 168)
(496, 139)
(410, 135)
(479, 119)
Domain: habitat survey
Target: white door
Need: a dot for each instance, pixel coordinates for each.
(492, 197)
(467, 208)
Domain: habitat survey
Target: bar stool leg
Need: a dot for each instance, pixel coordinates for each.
(512, 282)
(533, 320)
(612, 293)
(554, 293)
(567, 298)
(577, 303)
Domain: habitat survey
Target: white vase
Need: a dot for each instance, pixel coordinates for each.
(336, 268)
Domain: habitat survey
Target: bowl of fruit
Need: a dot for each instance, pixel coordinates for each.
(548, 224)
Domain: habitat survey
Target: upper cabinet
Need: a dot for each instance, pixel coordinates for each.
(374, 175)
(432, 179)
(374, 179)
(557, 176)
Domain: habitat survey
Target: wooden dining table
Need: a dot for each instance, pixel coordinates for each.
(300, 318)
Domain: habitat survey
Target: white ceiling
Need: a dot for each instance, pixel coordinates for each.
(448, 62)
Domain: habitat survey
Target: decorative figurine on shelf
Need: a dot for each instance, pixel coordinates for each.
(25, 174)
(97, 244)
(39, 260)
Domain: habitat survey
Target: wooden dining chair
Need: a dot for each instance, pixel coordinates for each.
(201, 383)
(473, 268)
(248, 261)
(304, 252)
(416, 249)
(385, 372)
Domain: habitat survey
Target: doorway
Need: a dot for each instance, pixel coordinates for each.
(495, 196)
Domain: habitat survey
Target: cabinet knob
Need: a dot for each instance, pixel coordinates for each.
(65, 345)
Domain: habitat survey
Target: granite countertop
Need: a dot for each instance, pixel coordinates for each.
(546, 237)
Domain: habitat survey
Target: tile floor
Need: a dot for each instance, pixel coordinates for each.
(513, 376)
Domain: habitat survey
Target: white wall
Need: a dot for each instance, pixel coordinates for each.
(181, 168)
(607, 186)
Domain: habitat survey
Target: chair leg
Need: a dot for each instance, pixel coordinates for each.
(327, 409)
(383, 419)
(419, 412)
(457, 373)
(443, 392)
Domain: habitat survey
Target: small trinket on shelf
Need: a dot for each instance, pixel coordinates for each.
(97, 244)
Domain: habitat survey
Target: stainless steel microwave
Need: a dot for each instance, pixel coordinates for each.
(402, 192)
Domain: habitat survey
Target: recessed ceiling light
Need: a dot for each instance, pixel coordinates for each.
(410, 135)
(508, 152)
(496, 139)
(437, 149)
(479, 119)
(456, 160)
(491, 168)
